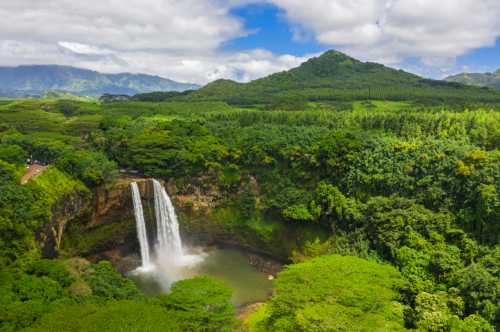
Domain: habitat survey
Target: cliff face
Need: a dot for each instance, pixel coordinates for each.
(69, 208)
(207, 217)
(114, 202)
(110, 225)
(211, 217)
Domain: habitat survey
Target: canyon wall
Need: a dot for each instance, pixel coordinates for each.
(106, 227)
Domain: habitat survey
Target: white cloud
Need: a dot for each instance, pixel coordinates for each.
(182, 39)
(393, 30)
(241, 66)
(336, 22)
(175, 39)
(187, 25)
(85, 49)
(185, 67)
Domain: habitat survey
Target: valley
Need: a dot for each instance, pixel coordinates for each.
(338, 196)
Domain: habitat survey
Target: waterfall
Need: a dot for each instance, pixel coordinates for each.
(169, 243)
(142, 235)
(168, 262)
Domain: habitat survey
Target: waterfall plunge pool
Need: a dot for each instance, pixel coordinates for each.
(229, 265)
(164, 258)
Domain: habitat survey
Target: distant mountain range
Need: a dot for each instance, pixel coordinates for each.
(491, 80)
(37, 80)
(337, 76)
(331, 76)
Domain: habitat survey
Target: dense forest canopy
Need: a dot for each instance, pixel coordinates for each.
(336, 76)
(405, 194)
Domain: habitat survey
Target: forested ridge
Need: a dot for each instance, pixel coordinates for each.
(491, 80)
(335, 76)
(403, 195)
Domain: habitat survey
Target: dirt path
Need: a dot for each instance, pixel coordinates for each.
(32, 171)
(244, 312)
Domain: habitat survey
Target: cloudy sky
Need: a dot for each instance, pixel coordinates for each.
(202, 40)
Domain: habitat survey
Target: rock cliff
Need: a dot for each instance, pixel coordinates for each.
(69, 208)
(206, 217)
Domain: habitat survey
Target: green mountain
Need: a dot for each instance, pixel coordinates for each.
(491, 80)
(336, 76)
(37, 80)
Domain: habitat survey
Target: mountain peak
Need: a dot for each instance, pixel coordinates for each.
(335, 55)
(332, 57)
(35, 80)
(334, 66)
(491, 80)
(330, 76)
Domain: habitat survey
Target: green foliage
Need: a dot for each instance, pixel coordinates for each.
(478, 285)
(254, 322)
(335, 293)
(78, 240)
(13, 154)
(201, 304)
(113, 316)
(472, 323)
(336, 76)
(433, 312)
(36, 287)
(107, 283)
(93, 168)
(50, 188)
(413, 182)
(230, 176)
(53, 184)
(52, 269)
(18, 218)
(160, 96)
(24, 209)
(298, 212)
(332, 204)
(248, 203)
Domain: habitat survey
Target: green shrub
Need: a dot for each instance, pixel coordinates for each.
(336, 293)
(107, 283)
(201, 304)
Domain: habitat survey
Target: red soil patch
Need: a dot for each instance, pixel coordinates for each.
(32, 171)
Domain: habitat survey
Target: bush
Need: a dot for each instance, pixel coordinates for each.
(107, 283)
(201, 304)
(93, 168)
(127, 316)
(336, 293)
(13, 154)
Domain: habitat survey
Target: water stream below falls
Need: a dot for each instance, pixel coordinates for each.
(167, 260)
(229, 265)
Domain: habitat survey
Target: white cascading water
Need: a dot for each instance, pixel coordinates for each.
(169, 260)
(141, 227)
(169, 242)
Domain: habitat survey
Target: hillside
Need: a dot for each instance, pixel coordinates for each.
(491, 80)
(412, 191)
(336, 76)
(36, 80)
